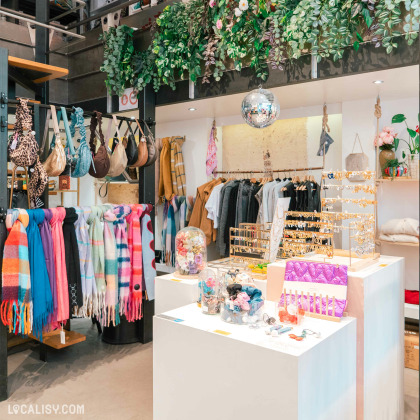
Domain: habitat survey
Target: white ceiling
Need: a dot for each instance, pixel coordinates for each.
(398, 83)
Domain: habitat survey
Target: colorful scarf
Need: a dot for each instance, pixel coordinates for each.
(111, 268)
(211, 158)
(148, 248)
(72, 261)
(48, 246)
(60, 264)
(179, 186)
(135, 249)
(170, 209)
(43, 304)
(87, 276)
(96, 238)
(123, 257)
(16, 308)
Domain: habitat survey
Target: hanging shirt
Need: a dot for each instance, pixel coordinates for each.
(213, 204)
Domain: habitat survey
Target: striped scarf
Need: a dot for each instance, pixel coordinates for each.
(179, 186)
(96, 238)
(170, 208)
(111, 268)
(60, 263)
(148, 247)
(123, 257)
(135, 249)
(16, 308)
(87, 276)
(43, 304)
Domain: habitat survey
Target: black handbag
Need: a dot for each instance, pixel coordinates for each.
(130, 146)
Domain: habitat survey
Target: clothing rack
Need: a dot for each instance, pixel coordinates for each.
(317, 168)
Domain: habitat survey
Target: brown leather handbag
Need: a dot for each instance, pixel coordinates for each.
(143, 153)
(100, 159)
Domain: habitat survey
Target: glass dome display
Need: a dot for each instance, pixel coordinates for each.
(209, 292)
(190, 251)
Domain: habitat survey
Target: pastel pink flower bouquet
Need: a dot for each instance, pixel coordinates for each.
(386, 139)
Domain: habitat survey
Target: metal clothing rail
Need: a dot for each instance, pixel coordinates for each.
(317, 168)
(86, 113)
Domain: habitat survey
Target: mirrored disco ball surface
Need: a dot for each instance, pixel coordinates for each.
(260, 108)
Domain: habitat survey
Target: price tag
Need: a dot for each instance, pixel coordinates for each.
(178, 320)
(222, 332)
(383, 265)
(62, 337)
(14, 143)
(177, 280)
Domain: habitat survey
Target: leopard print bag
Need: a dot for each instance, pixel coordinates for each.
(23, 148)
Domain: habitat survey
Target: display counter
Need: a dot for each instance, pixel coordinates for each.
(204, 368)
(375, 297)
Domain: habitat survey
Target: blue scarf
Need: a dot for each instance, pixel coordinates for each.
(43, 304)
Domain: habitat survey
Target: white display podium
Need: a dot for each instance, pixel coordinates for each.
(206, 369)
(172, 292)
(375, 297)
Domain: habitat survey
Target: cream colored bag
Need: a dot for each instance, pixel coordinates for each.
(56, 161)
(357, 162)
(118, 158)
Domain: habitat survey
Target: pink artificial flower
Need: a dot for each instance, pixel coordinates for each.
(212, 3)
(211, 283)
(219, 24)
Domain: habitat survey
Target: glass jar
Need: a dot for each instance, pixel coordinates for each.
(241, 304)
(209, 292)
(291, 310)
(190, 251)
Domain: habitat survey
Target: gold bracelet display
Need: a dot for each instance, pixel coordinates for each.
(361, 202)
(340, 175)
(307, 234)
(366, 188)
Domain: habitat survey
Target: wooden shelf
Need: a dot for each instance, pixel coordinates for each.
(54, 192)
(398, 243)
(397, 179)
(411, 311)
(37, 72)
(52, 339)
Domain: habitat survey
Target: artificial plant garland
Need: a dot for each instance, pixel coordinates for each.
(203, 38)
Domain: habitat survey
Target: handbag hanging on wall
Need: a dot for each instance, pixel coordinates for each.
(23, 148)
(151, 147)
(118, 158)
(56, 161)
(100, 164)
(357, 161)
(69, 151)
(130, 146)
(143, 153)
(83, 155)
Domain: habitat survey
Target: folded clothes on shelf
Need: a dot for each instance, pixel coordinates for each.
(399, 238)
(406, 226)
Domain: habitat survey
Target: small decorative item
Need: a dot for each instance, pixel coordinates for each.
(242, 304)
(260, 108)
(64, 182)
(412, 154)
(395, 169)
(357, 161)
(191, 251)
(291, 314)
(209, 290)
(386, 141)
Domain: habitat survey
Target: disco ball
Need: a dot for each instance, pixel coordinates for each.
(260, 108)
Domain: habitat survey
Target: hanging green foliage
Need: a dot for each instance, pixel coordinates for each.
(204, 38)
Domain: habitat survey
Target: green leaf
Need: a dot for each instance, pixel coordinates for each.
(359, 37)
(396, 143)
(356, 46)
(411, 132)
(398, 118)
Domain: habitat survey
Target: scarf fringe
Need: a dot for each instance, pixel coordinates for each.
(124, 305)
(17, 317)
(135, 310)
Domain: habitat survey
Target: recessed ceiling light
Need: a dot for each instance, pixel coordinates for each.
(192, 109)
(378, 82)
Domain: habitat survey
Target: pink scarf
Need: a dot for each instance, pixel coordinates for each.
(135, 250)
(60, 263)
(211, 159)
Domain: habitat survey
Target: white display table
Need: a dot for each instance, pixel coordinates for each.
(206, 369)
(375, 298)
(172, 292)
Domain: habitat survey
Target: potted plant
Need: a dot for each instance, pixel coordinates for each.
(395, 169)
(387, 143)
(413, 145)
